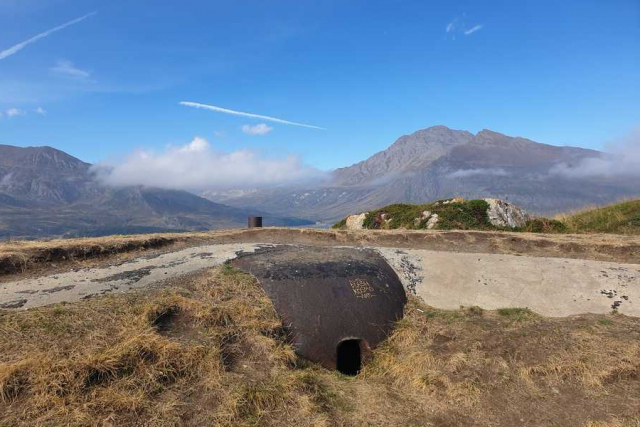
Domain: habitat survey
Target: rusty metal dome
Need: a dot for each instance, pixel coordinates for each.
(339, 303)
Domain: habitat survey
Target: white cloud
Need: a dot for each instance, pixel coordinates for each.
(220, 133)
(240, 113)
(66, 68)
(40, 111)
(197, 166)
(6, 180)
(198, 145)
(465, 173)
(15, 112)
(621, 160)
(261, 129)
(473, 29)
(16, 48)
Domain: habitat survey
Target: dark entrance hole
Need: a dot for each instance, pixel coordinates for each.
(349, 359)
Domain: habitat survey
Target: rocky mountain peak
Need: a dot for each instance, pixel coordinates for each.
(41, 158)
(408, 153)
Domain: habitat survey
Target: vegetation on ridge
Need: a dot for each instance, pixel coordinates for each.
(618, 218)
(458, 214)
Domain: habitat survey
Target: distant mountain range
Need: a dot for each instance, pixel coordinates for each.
(46, 192)
(439, 162)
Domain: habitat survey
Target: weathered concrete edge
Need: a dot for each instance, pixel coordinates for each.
(19, 257)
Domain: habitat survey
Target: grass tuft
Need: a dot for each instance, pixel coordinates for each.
(516, 313)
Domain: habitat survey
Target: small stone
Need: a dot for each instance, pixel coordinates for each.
(432, 221)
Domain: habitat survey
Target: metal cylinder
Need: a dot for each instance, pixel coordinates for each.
(255, 222)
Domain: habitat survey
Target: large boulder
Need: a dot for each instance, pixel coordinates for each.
(505, 214)
(355, 222)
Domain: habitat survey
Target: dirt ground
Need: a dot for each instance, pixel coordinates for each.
(209, 349)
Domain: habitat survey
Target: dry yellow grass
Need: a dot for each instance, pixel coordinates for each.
(211, 350)
(19, 255)
(621, 218)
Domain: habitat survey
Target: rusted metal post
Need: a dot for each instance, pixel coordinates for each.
(255, 222)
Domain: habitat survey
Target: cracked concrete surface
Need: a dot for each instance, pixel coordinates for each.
(137, 273)
(548, 286)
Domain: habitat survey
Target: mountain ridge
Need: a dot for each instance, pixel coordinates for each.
(45, 192)
(438, 163)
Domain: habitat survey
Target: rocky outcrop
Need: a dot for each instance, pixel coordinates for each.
(505, 214)
(433, 220)
(355, 222)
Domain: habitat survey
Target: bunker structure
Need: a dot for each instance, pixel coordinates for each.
(338, 304)
(254, 222)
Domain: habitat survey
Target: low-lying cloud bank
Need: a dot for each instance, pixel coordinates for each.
(196, 166)
(465, 173)
(621, 160)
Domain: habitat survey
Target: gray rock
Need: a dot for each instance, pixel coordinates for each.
(355, 222)
(505, 214)
(432, 221)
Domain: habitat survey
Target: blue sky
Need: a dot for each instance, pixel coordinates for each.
(560, 72)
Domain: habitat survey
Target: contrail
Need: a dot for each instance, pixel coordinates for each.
(20, 46)
(240, 113)
(473, 30)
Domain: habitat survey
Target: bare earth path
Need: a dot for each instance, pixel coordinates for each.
(549, 286)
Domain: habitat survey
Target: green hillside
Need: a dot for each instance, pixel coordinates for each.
(452, 215)
(618, 218)
(458, 214)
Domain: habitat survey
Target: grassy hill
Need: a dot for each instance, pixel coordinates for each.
(463, 215)
(618, 218)
(211, 350)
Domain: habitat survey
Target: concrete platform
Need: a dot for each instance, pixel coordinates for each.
(548, 286)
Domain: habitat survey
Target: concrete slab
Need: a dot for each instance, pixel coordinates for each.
(138, 273)
(548, 286)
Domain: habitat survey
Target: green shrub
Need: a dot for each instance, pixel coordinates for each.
(400, 215)
(467, 215)
(471, 214)
(340, 224)
(544, 225)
